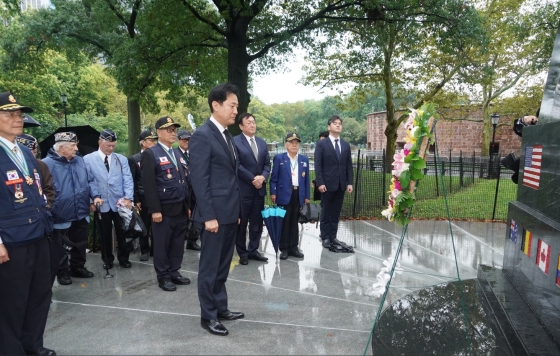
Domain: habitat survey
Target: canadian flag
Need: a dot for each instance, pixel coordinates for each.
(543, 256)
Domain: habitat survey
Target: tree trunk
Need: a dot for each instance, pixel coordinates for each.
(486, 129)
(238, 72)
(133, 108)
(392, 124)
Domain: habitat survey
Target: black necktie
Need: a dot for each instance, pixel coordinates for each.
(230, 146)
(337, 148)
(107, 163)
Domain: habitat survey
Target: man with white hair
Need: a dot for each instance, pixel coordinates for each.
(75, 187)
(112, 174)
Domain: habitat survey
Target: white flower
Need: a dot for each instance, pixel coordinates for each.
(388, 213)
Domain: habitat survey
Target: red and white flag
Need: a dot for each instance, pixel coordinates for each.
(532, 166)
(543, 256)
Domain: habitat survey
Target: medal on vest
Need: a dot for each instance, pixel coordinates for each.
(169, 174)
(38, 181)
(18, 193)
(28, 180)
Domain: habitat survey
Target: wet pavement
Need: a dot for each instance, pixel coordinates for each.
(322, 304)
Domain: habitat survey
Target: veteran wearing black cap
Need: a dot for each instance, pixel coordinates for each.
(165, 169)
(75, 187)
(145, 140)
(45, 176)
(184, 136)
(112, 174)
(25, 278)
(289, 188)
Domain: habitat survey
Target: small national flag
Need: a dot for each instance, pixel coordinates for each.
(532, 166)
(526, 243)
(558, 272)
(513, 231)
(543, 256)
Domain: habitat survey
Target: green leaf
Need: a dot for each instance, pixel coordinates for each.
(416, 175)
(419, 163)
(404, 178)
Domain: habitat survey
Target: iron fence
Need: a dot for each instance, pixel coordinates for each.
(476, 188)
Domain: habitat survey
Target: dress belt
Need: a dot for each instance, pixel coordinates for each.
(295, 187)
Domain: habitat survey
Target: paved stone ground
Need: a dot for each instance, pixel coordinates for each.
(322, 304)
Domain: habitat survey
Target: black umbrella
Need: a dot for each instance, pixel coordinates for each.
(28, 121)
(88, 138)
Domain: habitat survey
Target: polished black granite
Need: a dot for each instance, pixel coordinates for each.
(546, 199)
(431, 322)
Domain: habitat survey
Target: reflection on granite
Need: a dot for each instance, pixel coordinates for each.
(431, 321)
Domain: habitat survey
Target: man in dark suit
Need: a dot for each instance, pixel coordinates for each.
(164, 171)
(214, 163)
(183, 137)
(145, 140)
(254, 169)
(333, 176)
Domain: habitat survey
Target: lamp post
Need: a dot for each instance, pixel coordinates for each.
(495, 119)
(64, 99)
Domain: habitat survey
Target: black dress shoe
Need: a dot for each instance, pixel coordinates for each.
(335, 241)
(108, 265)
(41, 351)
(243, 260)
(326, 243)
(214, 327)
(229, 315)
(125, 264)
(167, 285)
(81, 272)
(283, 255)
(193, 246)
(181, 280)
(258, 257)
(296, 253)
(63, 278)
(144, 257)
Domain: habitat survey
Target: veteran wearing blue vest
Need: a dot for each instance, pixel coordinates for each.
(164, 170)
(25, 277)
(112, 174)
(289, 188)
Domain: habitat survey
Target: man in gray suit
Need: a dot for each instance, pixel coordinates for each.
(213, 166)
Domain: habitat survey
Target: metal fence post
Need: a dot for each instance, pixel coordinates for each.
(356, 190)
(461, 168)
(496, 195)
(384, 179)
(450, 174)
(473, 164)
(436, 166)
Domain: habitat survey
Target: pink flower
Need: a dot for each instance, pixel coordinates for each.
(408, 146)
(406, 152)
(395, 193)
(398, 185)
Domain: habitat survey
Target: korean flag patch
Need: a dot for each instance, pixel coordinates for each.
(12, 175)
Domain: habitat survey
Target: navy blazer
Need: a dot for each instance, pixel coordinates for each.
(249, 167)
(281, 179)
(213, 176)
(331, 171)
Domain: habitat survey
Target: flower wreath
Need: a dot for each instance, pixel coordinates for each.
(408, 164)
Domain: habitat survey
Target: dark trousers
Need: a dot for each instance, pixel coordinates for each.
(169, 245)
(331, 205)
(107, 220)
(77, 236)
(289, 239)
(25, 296)
(146, 242)
(251, 208)
(213, 269)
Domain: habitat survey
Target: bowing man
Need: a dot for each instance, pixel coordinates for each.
(289, 188)
(213, 164)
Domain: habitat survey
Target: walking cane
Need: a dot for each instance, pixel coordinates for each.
(103, 249)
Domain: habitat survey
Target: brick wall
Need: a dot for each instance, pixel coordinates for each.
(465, 136)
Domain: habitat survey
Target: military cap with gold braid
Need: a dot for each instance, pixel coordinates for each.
(292, 136)
(147, 135)
(9, 103)
(165, 122)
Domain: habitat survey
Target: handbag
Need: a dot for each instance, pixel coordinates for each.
(310, 213)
